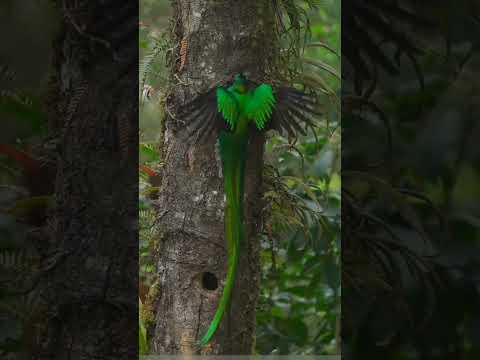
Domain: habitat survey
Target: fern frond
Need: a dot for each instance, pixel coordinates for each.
(148, 61)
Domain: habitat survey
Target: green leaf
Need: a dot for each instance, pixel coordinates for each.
(323, 45)
(142, 332)
(18, 110)
(148, 153)
(317, 82)
(294, 329)
(322, 65)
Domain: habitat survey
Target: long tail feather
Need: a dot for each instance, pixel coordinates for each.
(232, 150)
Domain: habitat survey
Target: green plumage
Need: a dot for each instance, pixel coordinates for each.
(227, 106)
(260, 105)
(230, 111)
(232, 103)
(232, 149)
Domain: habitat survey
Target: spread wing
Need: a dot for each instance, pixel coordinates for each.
(227, 106)
(294, 112)
(205, 115)
(261, 105)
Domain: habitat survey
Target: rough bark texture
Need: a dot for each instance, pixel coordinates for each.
(91, 283)
(224, 38)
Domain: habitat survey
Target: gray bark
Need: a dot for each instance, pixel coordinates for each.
(90, 281)
(224, 38)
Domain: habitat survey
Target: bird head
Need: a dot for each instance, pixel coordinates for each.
(240, 83)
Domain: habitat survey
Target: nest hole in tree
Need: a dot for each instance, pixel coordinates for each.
(209, 281)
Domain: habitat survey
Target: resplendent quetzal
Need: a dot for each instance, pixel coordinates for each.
(230, 112)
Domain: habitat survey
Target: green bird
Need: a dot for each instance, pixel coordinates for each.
(230, 113)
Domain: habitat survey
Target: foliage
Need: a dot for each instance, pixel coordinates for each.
(24, 166)
(410, 239)
(142, 333)
(23, 207)
(300, 299)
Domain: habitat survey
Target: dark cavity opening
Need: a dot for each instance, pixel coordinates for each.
(209, 281)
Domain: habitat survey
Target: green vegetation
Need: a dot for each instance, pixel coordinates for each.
(25, 166)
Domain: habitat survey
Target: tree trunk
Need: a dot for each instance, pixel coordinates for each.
(222, 38)
(91, 284)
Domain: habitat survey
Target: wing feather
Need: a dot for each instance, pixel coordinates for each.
(227, 106)
(294, 113)
(206, 130)
(284, 124)
(285, 109)
(261, 105)
(202, 117)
